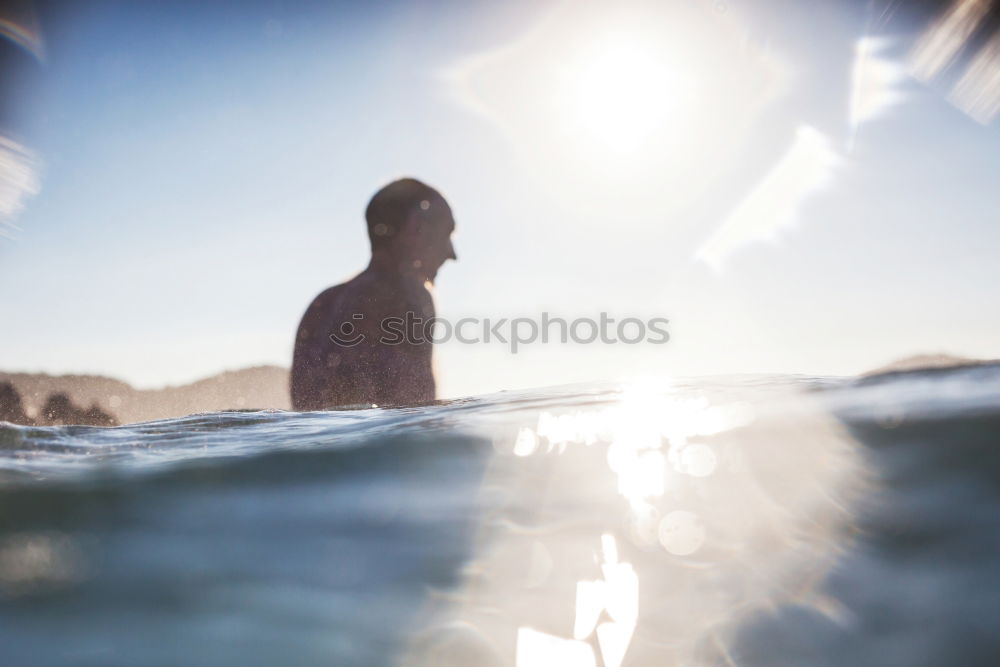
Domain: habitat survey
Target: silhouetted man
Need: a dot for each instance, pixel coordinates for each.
(357, 342)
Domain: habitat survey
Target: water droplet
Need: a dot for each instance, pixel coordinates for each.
(682, 532)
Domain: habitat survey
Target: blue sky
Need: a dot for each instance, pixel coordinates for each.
(206, 167)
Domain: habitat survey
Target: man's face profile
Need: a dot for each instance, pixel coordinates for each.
(428, 236)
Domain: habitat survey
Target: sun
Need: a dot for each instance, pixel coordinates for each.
(623, 91)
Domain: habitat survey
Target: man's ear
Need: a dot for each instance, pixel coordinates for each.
(410, 227)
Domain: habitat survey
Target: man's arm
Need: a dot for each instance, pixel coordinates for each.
(316, 357)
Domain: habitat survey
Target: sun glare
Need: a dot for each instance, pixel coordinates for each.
(639, 106)
(623, 91)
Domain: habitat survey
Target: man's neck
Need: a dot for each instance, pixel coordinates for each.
(385, 263)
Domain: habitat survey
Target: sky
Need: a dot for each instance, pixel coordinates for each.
(735, 167)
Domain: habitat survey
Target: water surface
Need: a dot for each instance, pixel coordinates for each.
(764, 520)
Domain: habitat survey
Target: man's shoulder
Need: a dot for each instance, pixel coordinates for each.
(373, 295)
(322, 302)
(349, 290)
(387, 294)
(327, 295)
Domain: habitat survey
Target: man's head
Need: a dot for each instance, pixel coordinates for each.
(411, 223)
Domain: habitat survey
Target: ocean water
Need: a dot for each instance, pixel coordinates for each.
(767, 520)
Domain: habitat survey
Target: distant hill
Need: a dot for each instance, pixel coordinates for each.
(926, 361)
(261, 387)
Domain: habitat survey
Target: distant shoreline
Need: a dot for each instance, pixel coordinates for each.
(924, 362)
(257, 387)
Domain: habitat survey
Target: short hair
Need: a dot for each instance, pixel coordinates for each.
(390, 206)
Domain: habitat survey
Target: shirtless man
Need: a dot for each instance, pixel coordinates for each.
(345, 354)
